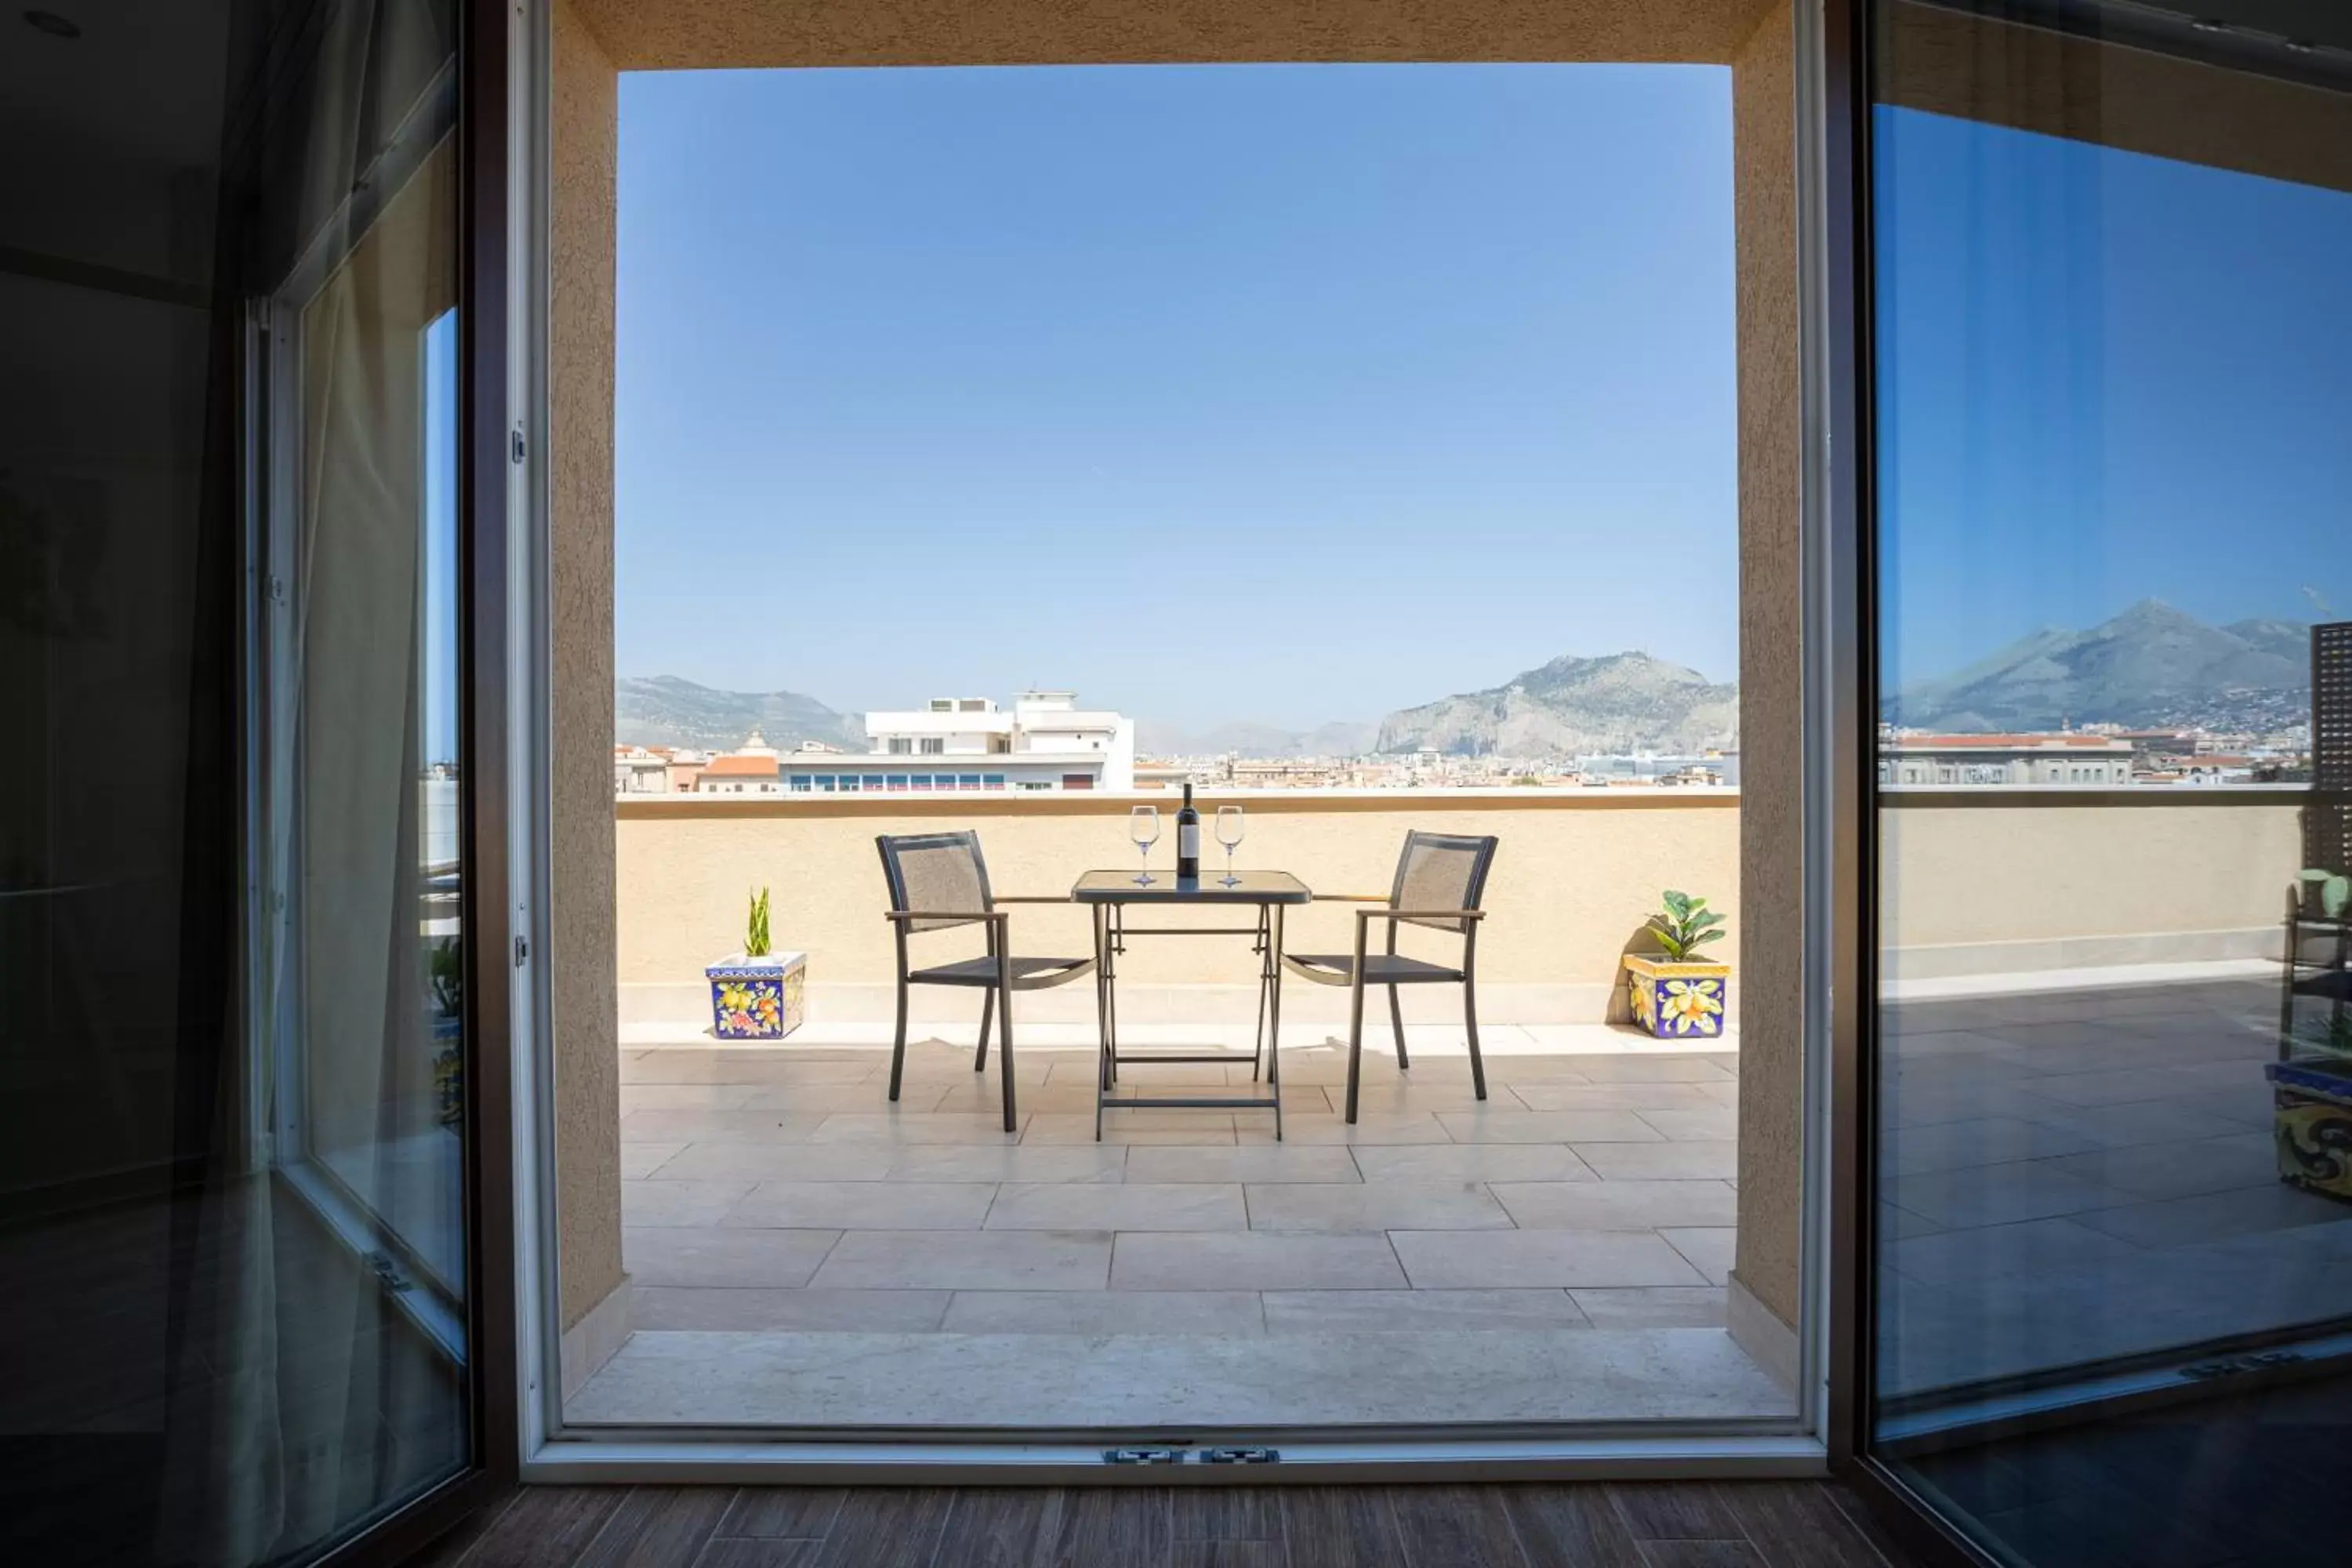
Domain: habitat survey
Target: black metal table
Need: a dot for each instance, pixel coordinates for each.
(1112, 894)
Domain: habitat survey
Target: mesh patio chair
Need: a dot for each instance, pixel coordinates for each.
(1440, 879)
(939, 882)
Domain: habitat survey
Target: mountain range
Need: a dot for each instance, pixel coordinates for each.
(2152, 666)
(666, 710)
(1624, 703)
(1619, 703)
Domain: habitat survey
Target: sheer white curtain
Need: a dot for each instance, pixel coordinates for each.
(329, 1397)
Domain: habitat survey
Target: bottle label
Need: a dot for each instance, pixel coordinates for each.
(1188, 841)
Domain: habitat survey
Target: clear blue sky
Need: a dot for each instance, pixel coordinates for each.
(440, 660)
(2104, 378)
(1287, 394)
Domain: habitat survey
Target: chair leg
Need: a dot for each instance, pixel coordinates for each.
(987, 1011)
(1396, 1022)
(1355, 1040)
(899, 1042)
(1005, 1055)
(1470, 1021)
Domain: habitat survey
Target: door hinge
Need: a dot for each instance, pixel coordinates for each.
(515, 448)
(522, 950)
(1143, 1455)
(1241, 1456)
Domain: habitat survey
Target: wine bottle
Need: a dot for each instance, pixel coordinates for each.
(1188, 840)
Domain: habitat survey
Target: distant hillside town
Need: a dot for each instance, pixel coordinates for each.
(2152, 697)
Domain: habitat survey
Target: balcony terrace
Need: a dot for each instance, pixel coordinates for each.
(2075, 1091)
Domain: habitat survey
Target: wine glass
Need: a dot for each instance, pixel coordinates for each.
(1229, 833)
(1143, 826)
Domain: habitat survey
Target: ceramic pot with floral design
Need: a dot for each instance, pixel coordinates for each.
(1677, 1001)
(757, 998)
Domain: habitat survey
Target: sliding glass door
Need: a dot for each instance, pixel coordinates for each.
(252, 1200)
(2109, 1261)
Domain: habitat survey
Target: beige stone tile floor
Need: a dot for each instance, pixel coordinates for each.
(785, 1223)
(2072, 1176)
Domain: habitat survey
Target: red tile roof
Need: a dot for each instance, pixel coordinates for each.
(741, 767)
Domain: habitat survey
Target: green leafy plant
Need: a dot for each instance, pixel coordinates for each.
(755, 932)
(1686, 925)
(2334, 891)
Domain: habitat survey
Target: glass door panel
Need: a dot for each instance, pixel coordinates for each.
(2114, 1222)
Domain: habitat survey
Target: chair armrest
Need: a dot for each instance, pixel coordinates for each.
(1044, 899)
(1351, 897)
(1420, 915)
(902, 916)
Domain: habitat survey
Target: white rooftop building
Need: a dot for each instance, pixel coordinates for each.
(1045, 741)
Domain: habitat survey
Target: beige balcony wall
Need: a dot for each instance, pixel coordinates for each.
(1978, 882)
(1575, 877)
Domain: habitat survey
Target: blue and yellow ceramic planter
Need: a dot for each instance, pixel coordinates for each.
(1677, 1001)
(757, 998)
(2313, 1120)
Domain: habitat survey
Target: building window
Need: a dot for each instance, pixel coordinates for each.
(1077, 781)
(872, 783)
(920, 783)
(1033, 784)
(895, 784)
(801, 783)
(932, 745)
(992, 781)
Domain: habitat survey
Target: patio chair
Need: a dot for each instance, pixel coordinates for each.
(939, 882)
(1440, 878)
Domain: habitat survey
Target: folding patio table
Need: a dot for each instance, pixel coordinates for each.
(1111, 894)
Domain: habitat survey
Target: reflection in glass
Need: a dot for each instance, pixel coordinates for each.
(2113, 391)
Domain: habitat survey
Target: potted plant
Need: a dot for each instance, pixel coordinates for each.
(2311, 1082)
(757, 994)
(1680, 995)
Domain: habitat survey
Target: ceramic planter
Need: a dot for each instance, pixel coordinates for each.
(757, 998)
(2313, 1120)
(1677, 1001)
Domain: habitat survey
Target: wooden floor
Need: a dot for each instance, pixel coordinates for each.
(1766, 1524)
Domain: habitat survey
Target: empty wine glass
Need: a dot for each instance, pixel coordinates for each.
(1143, 826)
(1229, 833)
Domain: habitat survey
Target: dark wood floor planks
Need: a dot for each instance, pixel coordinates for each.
(1762, 1524)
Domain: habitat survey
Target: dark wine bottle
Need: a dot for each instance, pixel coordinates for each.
(1188, 840)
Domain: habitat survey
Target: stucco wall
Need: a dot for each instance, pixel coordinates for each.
(1771, 718)
(672, 34)
(1573, 881)
(2063, 878)
(580, 454)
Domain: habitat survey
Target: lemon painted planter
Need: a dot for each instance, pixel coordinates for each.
(757, 998)
(1677, 1001)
